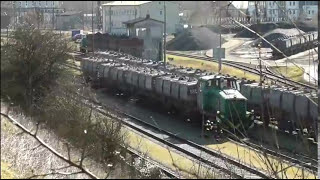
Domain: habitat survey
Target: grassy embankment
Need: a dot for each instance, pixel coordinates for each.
(292, 72)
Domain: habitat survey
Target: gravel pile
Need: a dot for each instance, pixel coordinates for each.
(275, 34)
(262, 28)
(198, 38)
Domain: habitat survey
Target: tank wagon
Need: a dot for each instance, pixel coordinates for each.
(288, 109)
(214, 96)
(295, 44)
(296, 109)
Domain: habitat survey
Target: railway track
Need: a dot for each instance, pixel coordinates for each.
(233, 162)
(268, 74)
(218, 160)
(250, 144)
(132, 122)
(166, 171)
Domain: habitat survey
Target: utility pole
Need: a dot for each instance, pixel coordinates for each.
(110, 18)
(92, 31)
(259, 47)
(14, 14)
(83, 21)
(99, 19)
(220, 49)
(52, 15)
(165, 34)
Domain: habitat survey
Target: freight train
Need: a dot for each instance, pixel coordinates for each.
(214, 96)
(221, 98)
(295, 44)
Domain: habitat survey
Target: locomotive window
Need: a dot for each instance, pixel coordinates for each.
(209, 83)
(216, 83)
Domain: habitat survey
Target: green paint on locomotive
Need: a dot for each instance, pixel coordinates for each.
(220, 98)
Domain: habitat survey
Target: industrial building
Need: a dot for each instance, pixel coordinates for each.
(150, 31)
(280, 10)
(117, 12)
(47, 9)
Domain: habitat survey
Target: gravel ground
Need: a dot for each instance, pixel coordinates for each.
(198, 38)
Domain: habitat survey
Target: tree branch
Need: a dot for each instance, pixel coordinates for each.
(52, 150)
(54, 173)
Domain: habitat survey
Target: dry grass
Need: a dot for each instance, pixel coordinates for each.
(210, 66)
(262, 161)
(291, 72)
(170, 159)
(7, 172)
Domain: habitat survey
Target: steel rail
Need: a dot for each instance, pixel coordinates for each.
(241, 66)
(218, 155)
(252, 145)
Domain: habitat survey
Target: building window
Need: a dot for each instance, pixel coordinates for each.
(309, 12)
(294, 3)
(26, 3)
(294, 11)
(159, 2)
(289, 12)
(160, 12)
(290, 3)
(312, 11)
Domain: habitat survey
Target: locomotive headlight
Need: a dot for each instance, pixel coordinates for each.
(218, 112)
(252, 111)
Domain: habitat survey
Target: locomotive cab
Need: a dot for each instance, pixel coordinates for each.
(220, 99)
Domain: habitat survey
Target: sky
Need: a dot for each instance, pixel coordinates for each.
(240, 4)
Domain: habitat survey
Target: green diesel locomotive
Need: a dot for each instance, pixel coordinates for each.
(220, 101)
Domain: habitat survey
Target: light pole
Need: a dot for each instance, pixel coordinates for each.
(92, 31)
(220, 48)
(259, 47)
(52, 15)
(165, 34)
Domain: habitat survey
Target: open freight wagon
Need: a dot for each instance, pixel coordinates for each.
(133, 46)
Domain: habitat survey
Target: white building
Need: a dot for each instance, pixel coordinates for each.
(261, 5)
(49, 9)
(117, 12)
(292, 8)
(41, 4)
(150, 31)
(310, 8)
(275, 10)
(281, 10)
